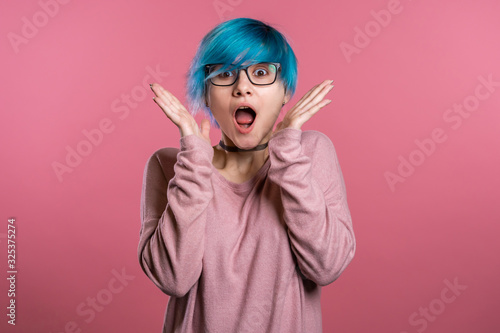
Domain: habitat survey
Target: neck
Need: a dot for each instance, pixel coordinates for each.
(238, 161)
(234, 149)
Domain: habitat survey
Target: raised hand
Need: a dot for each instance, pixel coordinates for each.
(306, 107)
(178, 114)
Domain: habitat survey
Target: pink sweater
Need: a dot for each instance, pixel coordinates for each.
(248, 257)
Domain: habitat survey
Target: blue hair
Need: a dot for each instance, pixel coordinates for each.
(234, 43)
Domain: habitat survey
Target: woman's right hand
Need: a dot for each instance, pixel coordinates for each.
(178, 114)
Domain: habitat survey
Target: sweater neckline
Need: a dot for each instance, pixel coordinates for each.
(247, 185)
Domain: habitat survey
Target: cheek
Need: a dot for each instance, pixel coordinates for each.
(270, 116)
(218, 106)
(275, 104)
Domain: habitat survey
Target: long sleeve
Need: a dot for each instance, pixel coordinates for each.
(305, 167)
(176, 192)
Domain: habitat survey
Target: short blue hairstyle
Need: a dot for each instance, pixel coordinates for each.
(238, 42)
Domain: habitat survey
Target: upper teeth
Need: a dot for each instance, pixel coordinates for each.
(243, 107)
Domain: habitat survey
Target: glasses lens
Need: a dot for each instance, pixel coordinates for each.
(260, 74)
(222, 77)
(263, 73)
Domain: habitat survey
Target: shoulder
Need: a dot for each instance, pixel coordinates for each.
(319, 148)
(312, 135)
(314, 142)
(165, 155)
(162, 162)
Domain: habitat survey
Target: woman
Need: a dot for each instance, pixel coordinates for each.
(243, 235)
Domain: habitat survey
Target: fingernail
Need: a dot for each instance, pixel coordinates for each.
(151, 86)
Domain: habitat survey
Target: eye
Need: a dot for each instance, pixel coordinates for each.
(226, 74)
(260, 72)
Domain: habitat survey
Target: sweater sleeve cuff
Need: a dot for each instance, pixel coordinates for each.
(284, 143)
(195, 143)
(286, 135)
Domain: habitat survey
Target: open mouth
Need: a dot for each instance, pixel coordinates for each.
(244, 116)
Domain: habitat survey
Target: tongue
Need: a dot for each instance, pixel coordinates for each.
(244, 117)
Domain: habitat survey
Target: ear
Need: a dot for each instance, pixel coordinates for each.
(287, 97)
(207, 99)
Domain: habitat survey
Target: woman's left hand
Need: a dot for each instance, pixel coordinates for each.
(306, 107)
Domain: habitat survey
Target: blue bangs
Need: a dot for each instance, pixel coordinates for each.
(237, 43)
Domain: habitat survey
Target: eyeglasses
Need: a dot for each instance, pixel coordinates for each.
(261, 74)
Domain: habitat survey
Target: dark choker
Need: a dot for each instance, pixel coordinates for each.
(233, 149)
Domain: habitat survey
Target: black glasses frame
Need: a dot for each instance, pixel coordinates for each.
(276, 64)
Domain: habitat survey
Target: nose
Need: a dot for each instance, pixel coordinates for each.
(242, 86)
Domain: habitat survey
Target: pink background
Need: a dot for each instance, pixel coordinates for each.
(426, 213)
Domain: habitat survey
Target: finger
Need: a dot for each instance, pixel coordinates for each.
(152, 86)
(304, 98)
(278, 127)
(163, 101)
(321, 90)
(306, 115)
(313, 92)
(178, 114)
(317, 89)
(301, 118)
(205, 129)
(172, 100)
(155, 88)
(177, 105)
(165, 94)
(317, 98)
(298, 110)
(167, 110)
(160, 95)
